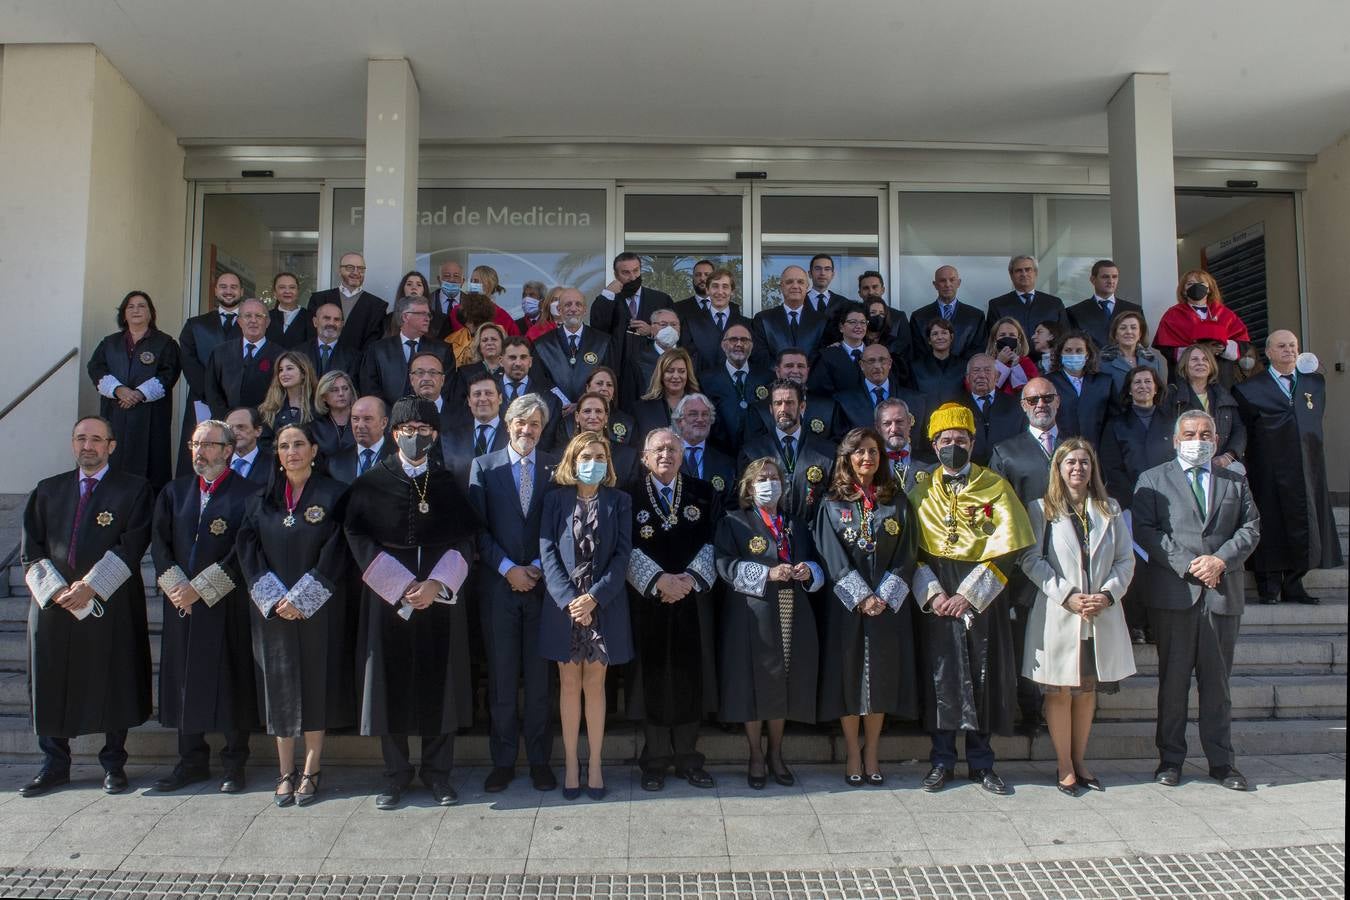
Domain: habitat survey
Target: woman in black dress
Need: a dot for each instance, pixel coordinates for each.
(290, 396)
(134, 370)
(333, 399)
(867, 541)
(768, 648)
(938, 372)
(294, 558)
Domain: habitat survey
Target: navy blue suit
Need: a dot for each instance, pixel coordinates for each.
(1083, 414)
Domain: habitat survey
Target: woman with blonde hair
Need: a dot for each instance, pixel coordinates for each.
(1077, 642)
(1009, 347)
(474, 311)
(333, 399)
(1127, 347)
(1200, 317)
(1198, 386)
(672, 378)
(585, 541)
(290, 396)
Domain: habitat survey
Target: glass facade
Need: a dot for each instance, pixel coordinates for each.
(795, 228)
(672, 232)
(256, 236)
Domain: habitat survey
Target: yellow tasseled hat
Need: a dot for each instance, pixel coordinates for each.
(948, 416)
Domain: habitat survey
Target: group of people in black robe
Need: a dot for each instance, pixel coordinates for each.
(743, 525)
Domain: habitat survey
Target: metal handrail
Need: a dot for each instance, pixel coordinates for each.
(70, 354)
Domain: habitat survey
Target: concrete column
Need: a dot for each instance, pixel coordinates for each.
(1143, 191)
(393, 127)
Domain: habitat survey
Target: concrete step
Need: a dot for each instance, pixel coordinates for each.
(1254, 697)
(1271, 654)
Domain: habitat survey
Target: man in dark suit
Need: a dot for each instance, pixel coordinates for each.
(689, 307)
(966, 320)
(1198, 524)
(324, 350)
(370, 424)
(701, 330)
(363, 314)
(532, 294)
(641, 355)
(507, 489)
(839, 367)
(446, 298)
(624, 304)
(692, 421)
(520, 376)
(829, 305)
(895, 422)
(571, 352)
(997, 415)
(1094, 314)
(250, 459)
(896, 334)
(480, 432)
(1024, 303)
(820, 414)
(200, 335)
(385, 365)
(732, 386)
(791, 324)
(859, 407)
(239, 371)
(805, 459)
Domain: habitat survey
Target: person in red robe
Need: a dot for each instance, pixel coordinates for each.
(1200, 317)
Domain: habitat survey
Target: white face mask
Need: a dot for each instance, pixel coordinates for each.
(768, 492)
(668, 336)
(1195, 453)
(1307, 363)
(553, 310)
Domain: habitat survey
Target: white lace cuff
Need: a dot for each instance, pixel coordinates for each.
(703, 568)
(451, 571)
(751, 577)
(642, 572)
(171, 578)
(982, 585)
(893, 591)
(213, 583)
(388, 578)
(108, 385)
(107, 575)
(926, 586)
(267, 592)
(43, 581)
(851, 590)
(152, 389)
(308, 595)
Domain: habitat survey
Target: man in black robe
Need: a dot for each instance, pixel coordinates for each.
(411, 531)
(200, 335)
(206, 651)
(671, 567)
(1286, 466)
(88, 650)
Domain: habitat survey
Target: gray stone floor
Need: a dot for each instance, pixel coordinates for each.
(819, 825)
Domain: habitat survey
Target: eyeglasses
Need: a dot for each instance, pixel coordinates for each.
(736, 340)
(410, 430)
(1038, 399)
(351, 268)
(197, 445)
(855, 321)
(426, 373)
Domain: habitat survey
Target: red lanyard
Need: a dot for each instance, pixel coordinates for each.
(775, 525)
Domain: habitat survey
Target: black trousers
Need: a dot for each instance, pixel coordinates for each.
(194, 754)
(1286, 583)
(665, 746)
(979, 750)
(511, 632)
(56, 753)
(1195, 640)
(438, 755)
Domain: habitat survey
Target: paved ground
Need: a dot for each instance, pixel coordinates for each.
(819, 825)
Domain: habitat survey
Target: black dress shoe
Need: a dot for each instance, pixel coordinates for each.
(498, 779)
(543, 778)
(696, 776)
(391, 797)
(1268, 599)
(653, 781)
(115, 782)
(854, 781)
(936, 779)
(1070, 789)
(1092, 784)
(1229, 777)
(756, 782)
(179, 779)
(443, 793)
(783, 776)
(233, 783)
(875, 779)
(44, 782)
(1305, 599)
(1137, 636)
(1168, 776)
(989, 780)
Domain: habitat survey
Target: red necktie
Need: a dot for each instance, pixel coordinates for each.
(89, 483)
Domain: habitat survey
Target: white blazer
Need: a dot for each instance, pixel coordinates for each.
(1054, 634)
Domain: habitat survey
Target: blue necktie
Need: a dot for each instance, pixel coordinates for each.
(367, 458)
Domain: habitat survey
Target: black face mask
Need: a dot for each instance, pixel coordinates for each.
(414, 446)
(631, 287)
(876, 323)
(954, 457)
(1006, 343)
(1197, 291)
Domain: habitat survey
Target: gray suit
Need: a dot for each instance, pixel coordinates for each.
(1197, 626)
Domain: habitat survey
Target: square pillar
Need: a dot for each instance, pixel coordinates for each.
(393, 128)
(1143, 191)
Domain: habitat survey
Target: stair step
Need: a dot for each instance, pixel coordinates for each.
(1270, 654)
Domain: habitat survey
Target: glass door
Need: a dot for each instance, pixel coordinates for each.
(795, 223)
(672, 228)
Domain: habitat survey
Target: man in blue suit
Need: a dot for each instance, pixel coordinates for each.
(507, 489)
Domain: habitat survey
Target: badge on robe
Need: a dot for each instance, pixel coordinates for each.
(590, 358)
(147, 358)
(817, 426)
(758, 545)
(1308, 398)
(719, 483)
(920, 477)
(314, 515)
(646, 531)
(761, 393)
(815, 474)
(104, 519)
(892, 527)
(643, 516)
(218, 527)
(619, 429)
(692, 514)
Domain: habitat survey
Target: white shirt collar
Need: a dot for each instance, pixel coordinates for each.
(348, 293)
(1186, 470)
(250, 457)
(732, 370)
(796, 436)
(1100, 299)
(873, 385)
(699, 446)
(409, 469)
(658, 484)
(1053, 431)
(861, 345)
(567, 334)
(257, 345)
(374, 447)
(494, 423)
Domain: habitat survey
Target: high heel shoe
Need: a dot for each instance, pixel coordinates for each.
(303, 798)
(286, 799)
(875, 779)
(782, 775)
(1069, 789)
(756, 782)
(1092, 784)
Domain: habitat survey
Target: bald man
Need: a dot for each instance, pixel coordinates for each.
(363, 313)
(567, 355)
(1286, 466)
(240, 369)
(967, 321)
(792, 324)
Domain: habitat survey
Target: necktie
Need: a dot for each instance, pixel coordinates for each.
(1288, 381)
(1047, 443)
(948, 311)
(480, 445)
(857, 355)
(984, 403)
(820, 302)
(367, 458)
(739, 378)
(87, 490)
(575, 343)
(792, 327)
(229, 320)
(691, 460)
(1026, 298)
(879, 394)
(721, 321)
(240, 466)
(665, 500)
(1106, 307)
(248, 352)
(512, 390)
(526, 486)
(412, 348)
(325, 353)
(789, 454)
(633, 306)
(1198, 490)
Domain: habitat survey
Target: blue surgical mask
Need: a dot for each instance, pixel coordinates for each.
(591, 471)
(473, 287)
(450, 288)
(1074, 362)
(530, 306)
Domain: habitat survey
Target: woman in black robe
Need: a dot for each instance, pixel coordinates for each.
(768, 648)
(865, 537)
(294, 559)
(134, 370)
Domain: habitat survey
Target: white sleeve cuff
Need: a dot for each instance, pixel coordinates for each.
(451, 570)
(108, 385)
(562, 398)
(308, 595)
(152, 389)
(982, 585)
(926, 586)
(852, 590)
(642, 572)
(107, 575)
(1230, 350)
(505, 566)
(213, 583)
(607, 293)
(43, 581)
(388, 578)
(267, 592)
(703, 568)
(751, 577)
(172, 578)
(893, 590)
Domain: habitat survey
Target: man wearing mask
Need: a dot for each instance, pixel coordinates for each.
(967, 322)
(386, 364)
(507, 487)
(206, 661)
(859, 406)
(892, 328)
(411, 531)
(690, 307)
(825, 420)
(732, 386)
(642, 353)
(791, 324)
(323, 349)
(446, 298)
(369, 420)
(531, 300)
(805, 458)
(701, 331)
(1286, 467)
(571, 352)
(997, 416)
(240, 370)
(1024, 303)
(972, 529)
(363, 314)
(624, 304)
(201, 335)
(693, 421)
(250, 459)
(894, 422)
(1094, 314)
(1197, 523)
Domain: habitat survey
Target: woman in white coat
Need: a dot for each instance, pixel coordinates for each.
(1077, 641)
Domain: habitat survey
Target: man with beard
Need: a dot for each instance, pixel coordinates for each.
(805, 459)
(363, 313)
(323, 349)
(206, 658)
(88, 650)
(693, 420)
(411, 532)
(699, 302)
(894, 422)
(199, 337)
(733, 386)
(825, 420)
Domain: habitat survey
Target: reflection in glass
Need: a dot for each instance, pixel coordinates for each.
(977, 233)
(672, 232)
(1079, 230)
(795, 228)
(255, 236)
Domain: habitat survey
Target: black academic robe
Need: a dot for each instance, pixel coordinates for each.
(363, 326)
(867, 662)
(837, 371)
(772, 334)
(768, 648)
(553, 356)
(414, 671)
(966, 320)
(940, 380)
(143, 432)
(700, 335)
(340, 359)
(206, 670)
(822, 418)
(719, 470)
(999, 421)
(807, 482)
(331, 437)
(674, 673)
(621, 428)
(305, 673)
(231, 383)
(200, 335)
(1286, 467)
(300, 333)
(732, 405)
(89, 676)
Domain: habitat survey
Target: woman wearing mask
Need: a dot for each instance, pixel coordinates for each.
(768, 648)
(484, 282)
(333, 399)
(867, 541)
(1084, 393)
(584, 545)
(1199, 387)
(1043, 341)
(548, 316)
(1200, 317)
(1009, 348)
(1128, 348)
(1077, 644)
(671, 380)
